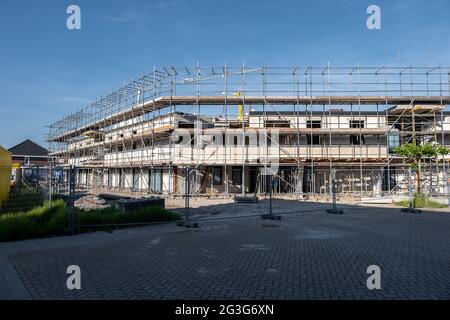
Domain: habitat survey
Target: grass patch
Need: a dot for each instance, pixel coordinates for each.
(421, 201)
(48, 219)
(51, 219)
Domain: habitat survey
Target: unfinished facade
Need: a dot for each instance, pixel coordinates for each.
(229, 124)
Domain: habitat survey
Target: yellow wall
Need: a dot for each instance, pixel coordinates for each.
(5, 173)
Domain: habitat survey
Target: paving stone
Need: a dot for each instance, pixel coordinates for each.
(311, 255)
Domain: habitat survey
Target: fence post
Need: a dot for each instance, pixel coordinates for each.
(270, 215)
(71, 199)
(270, 195)
(50, 185)
(187, 186)
(430, 187)
(448, 188)
(187, 191)
(334, 208)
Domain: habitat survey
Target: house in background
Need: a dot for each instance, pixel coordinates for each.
(29, 154)
(29, 162)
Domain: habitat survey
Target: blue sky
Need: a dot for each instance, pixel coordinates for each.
(47, 71)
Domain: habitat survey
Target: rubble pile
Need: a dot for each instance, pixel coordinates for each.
(91, 202)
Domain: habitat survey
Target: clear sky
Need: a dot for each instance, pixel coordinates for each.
(46, 70)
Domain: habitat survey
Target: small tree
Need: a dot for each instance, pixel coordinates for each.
(443, 151)
(415, 154)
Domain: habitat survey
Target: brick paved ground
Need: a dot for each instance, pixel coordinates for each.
(4, 292)
(308, 255)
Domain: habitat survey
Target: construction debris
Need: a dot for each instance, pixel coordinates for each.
(91, 202)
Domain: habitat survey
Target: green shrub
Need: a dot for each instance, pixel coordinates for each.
(51, 219)
(421, 201)
(48, 219)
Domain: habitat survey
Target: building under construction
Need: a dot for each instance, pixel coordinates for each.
(231, 126)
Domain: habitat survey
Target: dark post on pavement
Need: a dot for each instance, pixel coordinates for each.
(448, 188)
(187, 190)
(49, 180)
(334, 208)
(411, 208)
(270, 215)
(71, 228)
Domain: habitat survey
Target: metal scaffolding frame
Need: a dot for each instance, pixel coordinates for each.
(133, 126)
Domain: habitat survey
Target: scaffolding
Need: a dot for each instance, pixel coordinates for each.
(303, 120)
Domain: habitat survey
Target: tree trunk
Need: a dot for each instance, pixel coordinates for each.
(418, 176)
